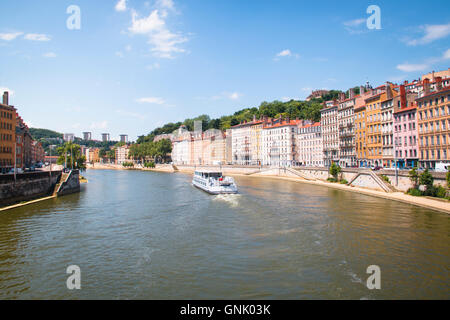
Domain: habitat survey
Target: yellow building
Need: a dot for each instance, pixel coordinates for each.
(7, 134)
(255, 138)
(373, 127)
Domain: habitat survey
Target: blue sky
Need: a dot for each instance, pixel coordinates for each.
(135, 65)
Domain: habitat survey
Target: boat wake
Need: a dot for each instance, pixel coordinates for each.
(230, 199)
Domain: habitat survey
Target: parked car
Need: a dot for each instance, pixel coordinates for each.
(377, 168)
(18, 170)
(442, 167)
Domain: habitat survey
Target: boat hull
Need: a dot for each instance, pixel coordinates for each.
(215, 190)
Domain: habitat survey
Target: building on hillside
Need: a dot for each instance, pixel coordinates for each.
(105, 137)
(444, 75)
(122, 154)
(346, 121)
(69, 137)
(433, 108)
(94, 155)
(7, 134)
(309, 144)
(87, 136)
(165, 136)
(279, 142)
(317, 94)
(330, 134)
(124, 138)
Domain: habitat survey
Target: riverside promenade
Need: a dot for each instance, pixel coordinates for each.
(361, 181)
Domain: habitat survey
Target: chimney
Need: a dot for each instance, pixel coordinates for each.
(432, 75)
(254, 118)
(342, 96)
(388, 91)
(426, 86)
(6, 98)
(438, 83)
(402, 96)
(351, 93)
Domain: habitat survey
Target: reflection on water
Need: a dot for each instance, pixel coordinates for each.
(142, 235)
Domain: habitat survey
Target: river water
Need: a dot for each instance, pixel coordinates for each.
(145, 235)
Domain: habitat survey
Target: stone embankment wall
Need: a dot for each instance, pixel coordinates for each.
(364, 178)
(71, 184)
(27, 186)
(33, 185)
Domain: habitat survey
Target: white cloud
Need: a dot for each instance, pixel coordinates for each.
(431, 33)
(446, 54)
(354, 23)
(37, 37)
(151, 100)
(164, 43)
(234, 95)
(128, 48)
(49, 55)
(131, 114)
(10, 36)
(355, 26)
(153, 66)
(285, 53)
(99, 125)
(408, 67)
(121, 6)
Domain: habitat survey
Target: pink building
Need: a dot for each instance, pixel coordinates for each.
(406, 137)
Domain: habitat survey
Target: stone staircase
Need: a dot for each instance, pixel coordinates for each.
(296, 172)
(386, 187)
(62, 179)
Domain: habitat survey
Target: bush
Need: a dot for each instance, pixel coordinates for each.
(149, 164)
(335, 170)
(128, 164)
(332, 180)
(414, 192)
(440, 192)
(343, 181)
(385, 178)
(426, 179)
(448, 178)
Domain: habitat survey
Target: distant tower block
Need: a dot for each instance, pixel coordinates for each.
(124, 138)
(105, 137)
(87, 136)
(69, 137)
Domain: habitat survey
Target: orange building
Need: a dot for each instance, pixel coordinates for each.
(433, 108)
(7, 134)
(373, 127)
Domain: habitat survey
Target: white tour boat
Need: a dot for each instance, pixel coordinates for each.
(214, 182)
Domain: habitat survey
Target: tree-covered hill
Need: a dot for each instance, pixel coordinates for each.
(294, 109)
(38, 134)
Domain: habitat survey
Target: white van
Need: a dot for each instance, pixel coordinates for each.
(442, 167)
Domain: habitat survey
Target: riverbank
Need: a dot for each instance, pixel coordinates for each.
(429, 203)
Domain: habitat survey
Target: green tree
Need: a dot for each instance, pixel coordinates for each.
(448, 178)
(426, 178)
(70, 155)
(414, 177)
(335, 170)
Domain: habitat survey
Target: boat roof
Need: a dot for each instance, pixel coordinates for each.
(207, 171)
